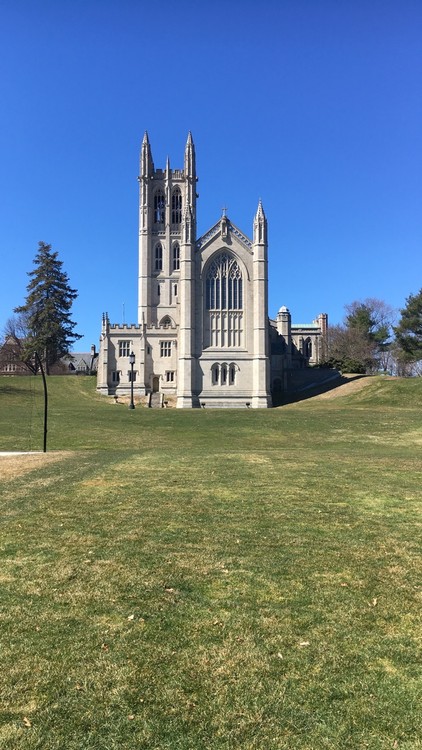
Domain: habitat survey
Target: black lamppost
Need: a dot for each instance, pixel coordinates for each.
(131, 362)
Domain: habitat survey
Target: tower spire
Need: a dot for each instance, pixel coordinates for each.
(190, 162)
(147, 164)
(260, 225)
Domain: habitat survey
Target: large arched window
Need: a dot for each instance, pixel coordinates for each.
(176, 206)
(159, 207)
(224, 302)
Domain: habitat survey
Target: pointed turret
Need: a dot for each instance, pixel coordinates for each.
(260, 226)
(147, 165)
(190, 163)
(187, 223)
(190, 179)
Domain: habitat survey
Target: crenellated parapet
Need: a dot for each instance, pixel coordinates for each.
(158, 327)
(124, 327)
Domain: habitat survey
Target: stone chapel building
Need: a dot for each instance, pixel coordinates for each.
(203, 337)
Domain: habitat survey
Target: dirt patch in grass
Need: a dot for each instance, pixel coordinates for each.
(19, 464)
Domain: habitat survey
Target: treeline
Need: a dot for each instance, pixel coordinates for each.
(373, 338)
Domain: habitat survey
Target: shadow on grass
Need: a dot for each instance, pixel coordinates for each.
(315, 389)
(6, 389)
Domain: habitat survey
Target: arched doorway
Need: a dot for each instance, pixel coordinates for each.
(155, 384)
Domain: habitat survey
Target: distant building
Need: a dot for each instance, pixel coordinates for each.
(77, 363)
(203, 334)
(11, 357)
(81, 363)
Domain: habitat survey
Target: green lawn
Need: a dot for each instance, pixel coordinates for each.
(211, 580)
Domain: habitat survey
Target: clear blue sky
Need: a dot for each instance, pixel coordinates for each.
(315, 106)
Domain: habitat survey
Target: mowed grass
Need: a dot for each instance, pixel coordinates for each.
(211, 579)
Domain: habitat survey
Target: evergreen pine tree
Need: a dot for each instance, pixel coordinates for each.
(409, 329)
(47, 309)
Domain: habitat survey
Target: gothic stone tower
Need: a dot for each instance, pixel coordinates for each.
(202, 334)
(167, 211)
(202, 303)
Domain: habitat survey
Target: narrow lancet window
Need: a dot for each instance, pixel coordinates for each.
(176, 257)
(158, 258)
(176, 206)
(159, 207)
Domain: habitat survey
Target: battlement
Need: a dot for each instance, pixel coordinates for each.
(157, 327)
(124, 327)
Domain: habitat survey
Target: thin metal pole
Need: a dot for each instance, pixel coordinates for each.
(131, 405)
(45, 401)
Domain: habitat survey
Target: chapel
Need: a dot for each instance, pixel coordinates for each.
(203, 337)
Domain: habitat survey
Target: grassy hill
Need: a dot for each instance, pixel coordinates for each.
(211, 579)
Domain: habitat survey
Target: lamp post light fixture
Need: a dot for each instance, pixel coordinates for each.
(131, 362)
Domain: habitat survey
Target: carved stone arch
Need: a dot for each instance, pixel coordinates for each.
(223, 276)
(233, 370)
(215, 373)
(167, 322)
(234, 254)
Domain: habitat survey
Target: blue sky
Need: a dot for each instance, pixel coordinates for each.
(315, 106)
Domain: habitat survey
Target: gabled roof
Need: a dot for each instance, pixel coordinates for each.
(81, 360)
(216, 230)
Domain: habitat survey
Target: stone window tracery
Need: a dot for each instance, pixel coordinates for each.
(224, 302)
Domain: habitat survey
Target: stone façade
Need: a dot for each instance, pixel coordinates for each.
(203, 335)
